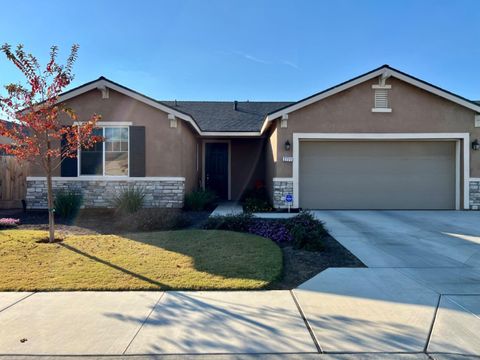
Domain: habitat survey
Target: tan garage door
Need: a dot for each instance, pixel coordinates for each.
(377, 175)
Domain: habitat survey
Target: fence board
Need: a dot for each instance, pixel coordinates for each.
(13, 181)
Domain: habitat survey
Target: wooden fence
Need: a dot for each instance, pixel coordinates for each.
(13, 182)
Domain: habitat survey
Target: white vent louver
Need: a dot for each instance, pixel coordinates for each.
(381, 99)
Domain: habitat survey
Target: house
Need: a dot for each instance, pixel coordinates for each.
(383, 140)
(4, 139)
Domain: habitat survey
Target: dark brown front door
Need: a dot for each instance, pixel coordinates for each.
(216, 168)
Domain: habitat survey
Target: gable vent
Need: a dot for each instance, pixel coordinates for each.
(381, 100)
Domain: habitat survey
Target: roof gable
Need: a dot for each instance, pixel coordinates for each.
(102, 83)
(384, 70)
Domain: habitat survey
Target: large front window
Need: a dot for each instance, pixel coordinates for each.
(109, 158)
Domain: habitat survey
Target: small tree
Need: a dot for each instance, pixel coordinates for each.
(36, 127)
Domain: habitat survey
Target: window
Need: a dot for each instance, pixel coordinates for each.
(116, 151)
(109, 158)
(91, 159)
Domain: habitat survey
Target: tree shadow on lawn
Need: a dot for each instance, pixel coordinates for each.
(113, 266)
(233, 257)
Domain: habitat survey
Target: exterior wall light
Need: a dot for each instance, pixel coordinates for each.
(475, 145)
(287, 145)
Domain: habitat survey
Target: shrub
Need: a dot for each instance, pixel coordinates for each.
(129, 200)
(9, 223)
(200, 200)
(239, 222)
(256, 199)
(303, 231)
(307, 232)
(67, 203)
(256, 205)
(152, 219)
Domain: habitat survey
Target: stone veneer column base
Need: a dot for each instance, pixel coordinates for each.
(99, 193)
(281, 187)
(475, 194)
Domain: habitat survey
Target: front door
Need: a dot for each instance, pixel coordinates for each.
(216, 168)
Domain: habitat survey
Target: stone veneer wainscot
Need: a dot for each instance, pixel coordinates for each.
(163, 192)
(475, 194)
(281, 188)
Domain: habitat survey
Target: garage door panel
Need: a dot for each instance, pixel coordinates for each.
(377, 175)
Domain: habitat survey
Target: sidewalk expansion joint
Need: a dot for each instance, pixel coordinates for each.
(19, 300)
(307, 324)
(430, 332)
(144, 322)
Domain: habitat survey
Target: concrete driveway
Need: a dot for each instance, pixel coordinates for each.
(421, 291)
(440, 249)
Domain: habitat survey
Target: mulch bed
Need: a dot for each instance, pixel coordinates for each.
(300, 265)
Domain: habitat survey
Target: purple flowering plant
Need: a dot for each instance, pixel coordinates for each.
(274, 230)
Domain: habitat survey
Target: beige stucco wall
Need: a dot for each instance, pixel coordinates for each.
(271, 158)
(414, 111)
(169, 151)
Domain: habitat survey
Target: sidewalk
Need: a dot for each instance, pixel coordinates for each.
(392, 322)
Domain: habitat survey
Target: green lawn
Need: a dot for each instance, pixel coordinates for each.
(187, 259)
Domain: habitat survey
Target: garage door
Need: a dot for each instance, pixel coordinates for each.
(377, 175)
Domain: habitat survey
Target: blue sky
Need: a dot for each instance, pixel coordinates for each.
(256, 50)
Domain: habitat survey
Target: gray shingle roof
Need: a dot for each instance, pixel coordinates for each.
(221, 116)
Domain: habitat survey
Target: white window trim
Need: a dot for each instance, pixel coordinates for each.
(382, 110)
(104, 125)
(229, 142)
(458, 137)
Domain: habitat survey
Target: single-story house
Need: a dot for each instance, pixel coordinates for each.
(383, 140)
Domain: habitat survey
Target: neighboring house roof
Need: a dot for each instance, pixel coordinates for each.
(222, 116)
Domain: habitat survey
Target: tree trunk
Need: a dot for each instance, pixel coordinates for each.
(51, 210)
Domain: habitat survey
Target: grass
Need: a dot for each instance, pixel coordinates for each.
(187, 259)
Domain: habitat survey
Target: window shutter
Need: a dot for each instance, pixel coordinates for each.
(381, 99)
(69, 166)
(137, 151)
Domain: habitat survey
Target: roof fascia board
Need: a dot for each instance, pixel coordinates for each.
(437, 91)
(231, 133)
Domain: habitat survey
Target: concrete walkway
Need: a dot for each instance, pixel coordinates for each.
(227, 208)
